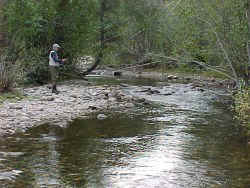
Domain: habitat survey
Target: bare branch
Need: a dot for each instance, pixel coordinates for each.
(200, 63)
(143, 65)
(223, 49)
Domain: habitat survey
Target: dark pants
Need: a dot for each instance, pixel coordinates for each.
(54, 75)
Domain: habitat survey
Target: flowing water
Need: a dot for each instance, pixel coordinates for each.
(187, 139)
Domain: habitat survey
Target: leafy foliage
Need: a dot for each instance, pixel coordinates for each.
(211, 31)
(242, 106)
(8, 74)
(33, 27)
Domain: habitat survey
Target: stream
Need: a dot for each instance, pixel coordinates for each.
(187, 138)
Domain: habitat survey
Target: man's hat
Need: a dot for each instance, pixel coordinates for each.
(56, 46)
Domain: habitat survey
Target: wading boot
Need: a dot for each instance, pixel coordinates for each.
(54, 90)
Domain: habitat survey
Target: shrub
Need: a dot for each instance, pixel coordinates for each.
(242, 106)
(8, 74)
(35, 65)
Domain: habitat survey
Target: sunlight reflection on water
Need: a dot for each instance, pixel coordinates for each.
(187, 142)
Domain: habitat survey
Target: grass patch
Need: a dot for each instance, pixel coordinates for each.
(12, 96)
(213, 74)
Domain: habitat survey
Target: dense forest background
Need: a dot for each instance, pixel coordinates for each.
(212, 32)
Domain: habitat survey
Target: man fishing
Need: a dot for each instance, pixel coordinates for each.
(54, 63)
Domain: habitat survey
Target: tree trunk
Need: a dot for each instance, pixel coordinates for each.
(102, 39)
(59, 29)
(247, 76)
(248, 24)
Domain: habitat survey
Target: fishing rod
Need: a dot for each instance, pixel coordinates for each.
(72, 73)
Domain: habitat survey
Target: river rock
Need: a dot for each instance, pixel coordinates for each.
(155, 92)
(112, 99)
(59, 100)
(15, 107)
(92, 108)
(213, 80)
(74, 96)
(167, 94)
(20, 130)
(124, 85)
(11, 154)
(102, 116)
(129, 105)
(146, 103)
(119, 98)
(170, 77)
(144, 90)
(117, 73)
(140, 100)
(201, 89)
(48, 99)
(151, 91)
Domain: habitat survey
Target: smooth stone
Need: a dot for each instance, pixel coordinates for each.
(167, 94)
(129, 105)
(15, 107)
(92, 107)
(48, 99)
(141, 100)
(102, 116)
(112, 99)
(74, 96)
(13, 154)
(124, 85)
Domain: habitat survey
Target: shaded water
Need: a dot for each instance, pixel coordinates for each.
(186, 141)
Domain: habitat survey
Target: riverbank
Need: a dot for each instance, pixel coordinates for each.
(197, 79)
(77, 99)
